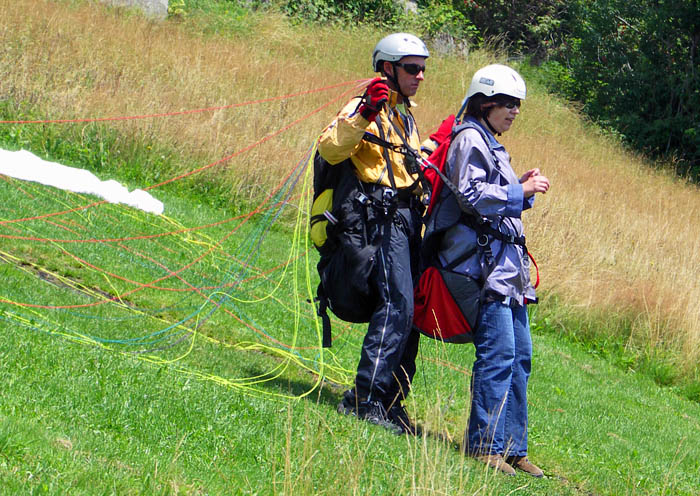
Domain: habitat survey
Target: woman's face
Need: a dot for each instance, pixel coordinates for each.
(501, 117)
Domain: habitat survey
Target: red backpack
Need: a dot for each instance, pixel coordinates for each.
(436, 311)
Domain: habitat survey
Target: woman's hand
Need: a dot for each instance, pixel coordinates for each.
(533, 182)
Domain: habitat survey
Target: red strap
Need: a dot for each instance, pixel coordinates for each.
(537, 269)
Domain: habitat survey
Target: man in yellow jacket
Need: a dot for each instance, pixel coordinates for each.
(387, 359)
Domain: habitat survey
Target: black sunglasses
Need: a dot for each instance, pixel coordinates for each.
(412, 69)
(511, 104)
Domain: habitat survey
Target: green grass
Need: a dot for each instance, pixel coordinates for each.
(77, 418)
(606, 333)
(86, 411)
(185, 392)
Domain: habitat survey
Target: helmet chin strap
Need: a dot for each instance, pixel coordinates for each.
(488, 124)
(394, 80)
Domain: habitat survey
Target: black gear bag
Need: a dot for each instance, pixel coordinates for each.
(346, 230)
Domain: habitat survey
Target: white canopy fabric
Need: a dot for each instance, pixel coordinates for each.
(28, 167)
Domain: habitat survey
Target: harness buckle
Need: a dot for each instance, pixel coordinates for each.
(410, 163)
(362, 198)
(482, 240)
(388, 196)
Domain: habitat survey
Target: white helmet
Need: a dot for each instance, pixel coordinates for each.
(497, 79)
(396, 46)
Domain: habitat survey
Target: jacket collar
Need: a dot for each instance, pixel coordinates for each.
(494, 142)
(394, 99)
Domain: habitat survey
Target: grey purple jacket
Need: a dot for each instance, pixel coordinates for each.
(484, 175)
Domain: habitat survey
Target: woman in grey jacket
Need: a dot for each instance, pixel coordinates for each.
(480, 167)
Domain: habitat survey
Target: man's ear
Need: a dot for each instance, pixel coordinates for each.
(388, 68)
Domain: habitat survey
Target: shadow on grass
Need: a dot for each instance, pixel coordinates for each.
(328, 393)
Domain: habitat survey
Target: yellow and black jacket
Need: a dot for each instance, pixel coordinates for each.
(342, 139)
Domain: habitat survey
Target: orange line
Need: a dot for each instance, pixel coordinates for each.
(184, 112)
(220, 161)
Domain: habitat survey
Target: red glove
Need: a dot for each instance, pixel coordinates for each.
(376, 95)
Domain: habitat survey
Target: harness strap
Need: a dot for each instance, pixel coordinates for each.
(487, 229)
(322, 311)
(465, 256)
(385, 152)
(381, 142)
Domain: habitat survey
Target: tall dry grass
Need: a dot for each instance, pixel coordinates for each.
(81, 59)
(610, 236)
(613, 234)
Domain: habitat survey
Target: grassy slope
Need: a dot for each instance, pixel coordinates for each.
(78, 419)
(90, 418)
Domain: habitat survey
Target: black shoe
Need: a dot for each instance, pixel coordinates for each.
(398, 416)
(349, 404)
(371, 411)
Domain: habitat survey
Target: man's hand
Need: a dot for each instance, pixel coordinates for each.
(376, 95)
(533, 182)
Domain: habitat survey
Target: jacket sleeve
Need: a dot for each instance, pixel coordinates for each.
(343, 136)
(472, 170)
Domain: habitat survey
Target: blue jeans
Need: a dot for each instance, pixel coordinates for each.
(498, 418)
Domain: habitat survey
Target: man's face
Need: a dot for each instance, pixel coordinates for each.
(404, 68)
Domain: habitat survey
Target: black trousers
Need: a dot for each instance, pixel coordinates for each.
(388, 357)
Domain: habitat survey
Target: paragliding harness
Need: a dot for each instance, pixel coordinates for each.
(348, 218)
(447, 303)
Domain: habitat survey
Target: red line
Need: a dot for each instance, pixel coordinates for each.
(131, 238)
(249, 147)
(220, 161)
(184, 112)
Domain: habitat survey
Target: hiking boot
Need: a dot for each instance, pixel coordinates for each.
(497, 462)
(398, 416)
(522, 463)
(371, 411)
